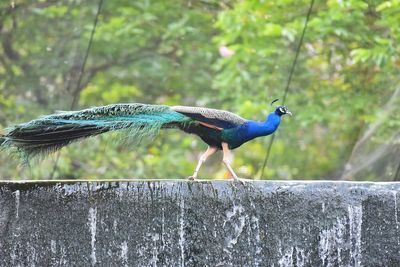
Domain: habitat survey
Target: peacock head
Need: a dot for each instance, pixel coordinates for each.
(282, 110)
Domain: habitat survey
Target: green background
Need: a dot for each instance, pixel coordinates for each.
(167, 52)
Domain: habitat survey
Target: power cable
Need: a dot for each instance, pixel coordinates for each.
(81, 71)
(288, 83)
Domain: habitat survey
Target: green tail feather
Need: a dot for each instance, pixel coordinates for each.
(52, 132)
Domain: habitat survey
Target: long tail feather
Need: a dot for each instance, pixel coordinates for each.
(50, 133)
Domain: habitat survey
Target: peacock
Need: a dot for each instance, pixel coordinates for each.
(219, 129)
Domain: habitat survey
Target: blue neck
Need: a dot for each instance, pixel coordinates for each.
(267, 127)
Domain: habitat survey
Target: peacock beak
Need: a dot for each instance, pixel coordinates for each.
(289, 113)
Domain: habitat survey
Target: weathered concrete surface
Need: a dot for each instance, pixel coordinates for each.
(199, 224)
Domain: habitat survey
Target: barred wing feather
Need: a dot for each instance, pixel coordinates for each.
(219, 118)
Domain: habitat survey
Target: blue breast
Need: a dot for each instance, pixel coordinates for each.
(237, 136)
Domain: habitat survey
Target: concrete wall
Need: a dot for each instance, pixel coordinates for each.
(199, 224)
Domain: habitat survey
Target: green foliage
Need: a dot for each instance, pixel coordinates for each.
(166, 52)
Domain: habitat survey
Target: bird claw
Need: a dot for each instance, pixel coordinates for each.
(242, 181)
(191, 178)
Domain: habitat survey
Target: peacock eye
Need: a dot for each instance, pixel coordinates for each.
(281, 110)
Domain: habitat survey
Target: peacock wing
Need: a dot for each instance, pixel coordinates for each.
(211, 117)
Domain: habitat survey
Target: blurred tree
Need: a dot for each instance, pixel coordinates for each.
(167, 52)
(346, 71)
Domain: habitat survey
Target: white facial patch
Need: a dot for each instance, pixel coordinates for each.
(282, 110)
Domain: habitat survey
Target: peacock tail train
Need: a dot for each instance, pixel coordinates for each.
(52, 132)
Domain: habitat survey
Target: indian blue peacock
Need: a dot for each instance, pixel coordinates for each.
(220, 129)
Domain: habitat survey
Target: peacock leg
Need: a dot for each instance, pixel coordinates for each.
(225, 160)
(210, 150)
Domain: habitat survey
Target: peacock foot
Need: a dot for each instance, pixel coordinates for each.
(240, 180)
(191, 178)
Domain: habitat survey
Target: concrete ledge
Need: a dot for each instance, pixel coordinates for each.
(179, 223)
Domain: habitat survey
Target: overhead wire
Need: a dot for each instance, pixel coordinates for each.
(292, 69)
(81, 72)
